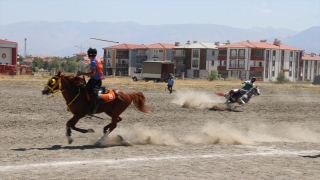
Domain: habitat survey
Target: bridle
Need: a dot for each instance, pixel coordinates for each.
(54, 90)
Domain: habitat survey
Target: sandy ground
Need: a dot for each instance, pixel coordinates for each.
(276, 136)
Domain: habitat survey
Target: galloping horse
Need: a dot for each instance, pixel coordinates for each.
(240, 97)
(73, 91)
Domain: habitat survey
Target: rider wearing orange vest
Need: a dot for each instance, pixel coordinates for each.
(94, 83)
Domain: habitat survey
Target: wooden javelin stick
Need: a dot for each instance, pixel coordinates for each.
(104, 40)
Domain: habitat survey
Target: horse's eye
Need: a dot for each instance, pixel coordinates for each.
(53, 81)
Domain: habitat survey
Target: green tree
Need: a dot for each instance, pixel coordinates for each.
(55, 64)
(282, 78)
(213, 75)
(46, 65)
(37, 63)
(72, 66)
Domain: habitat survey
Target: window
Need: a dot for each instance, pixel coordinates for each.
(195, 53)
(233, 52)
(213, 53)
(195, 63)
(212, 63)
(138, 61)
(274, 53)
(222, 52)
(241, 53)
(122, 53)
(155, 53)
(257, 52)
(241, 63)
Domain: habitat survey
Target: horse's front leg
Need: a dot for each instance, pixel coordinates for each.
(71, 124)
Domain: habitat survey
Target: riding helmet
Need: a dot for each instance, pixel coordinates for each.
(92, 52)
(254, 78)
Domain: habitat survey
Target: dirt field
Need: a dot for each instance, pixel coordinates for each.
(275, 136)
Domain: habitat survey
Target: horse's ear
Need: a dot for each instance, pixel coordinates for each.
(59, 73)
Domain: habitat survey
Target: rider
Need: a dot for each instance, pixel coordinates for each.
(95, 81)
(248, 85)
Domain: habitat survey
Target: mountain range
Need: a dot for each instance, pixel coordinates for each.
(69, 37)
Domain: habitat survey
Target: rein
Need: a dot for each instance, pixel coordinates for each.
(52, 89)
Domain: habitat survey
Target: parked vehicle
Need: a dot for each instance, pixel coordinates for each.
(157, 71)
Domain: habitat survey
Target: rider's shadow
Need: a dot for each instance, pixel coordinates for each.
(310, 156)
(58, 147)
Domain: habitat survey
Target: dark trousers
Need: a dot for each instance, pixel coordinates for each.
(170, 88)
(93, 87)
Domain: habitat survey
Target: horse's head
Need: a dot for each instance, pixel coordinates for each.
(53, 85)
(256, 91)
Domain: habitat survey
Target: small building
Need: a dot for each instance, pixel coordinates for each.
(310, 66)
(8, 52)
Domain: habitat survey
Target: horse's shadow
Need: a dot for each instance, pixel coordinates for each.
(310, 156)
(59, 147)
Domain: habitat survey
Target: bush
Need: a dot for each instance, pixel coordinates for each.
(213, 75)
(282, 78)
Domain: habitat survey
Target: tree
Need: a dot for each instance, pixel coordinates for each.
(72, 66)
(37, 63)
(213, 75)
(282, 78)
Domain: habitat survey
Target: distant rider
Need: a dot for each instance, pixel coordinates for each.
(248, 85)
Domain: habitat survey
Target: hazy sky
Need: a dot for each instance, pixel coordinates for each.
(292, 14)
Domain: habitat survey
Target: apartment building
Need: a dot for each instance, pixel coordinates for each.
(262, 60)
(121, 59)
(124, 59)
(309, 66)
(195, 59)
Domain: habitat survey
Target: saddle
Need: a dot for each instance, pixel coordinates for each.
(105, 94)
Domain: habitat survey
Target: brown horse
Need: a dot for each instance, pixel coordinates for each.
(73, 91)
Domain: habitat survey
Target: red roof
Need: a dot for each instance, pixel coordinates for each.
(160, 46)
(126, 46)
(80, 54)
(6, 41)
(259, 45)
(310, 57)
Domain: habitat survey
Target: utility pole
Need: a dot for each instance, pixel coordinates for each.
(25, 47)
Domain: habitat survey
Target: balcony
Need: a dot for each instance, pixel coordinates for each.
(259, 58)
(222, 68)
(256, 68)
(141, 56)
(222, 57)
(122, 65)
(236, 66)
(195, 66)
(179, 57)
(122, 56)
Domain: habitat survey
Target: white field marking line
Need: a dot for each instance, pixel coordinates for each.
(268, 152)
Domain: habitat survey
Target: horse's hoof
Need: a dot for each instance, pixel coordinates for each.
(98, 143)
(70, 140)
(90, 131)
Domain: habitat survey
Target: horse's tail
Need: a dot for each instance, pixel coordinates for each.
(139, 101)
(220, 94)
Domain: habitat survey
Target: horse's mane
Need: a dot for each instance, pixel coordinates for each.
(76, 80)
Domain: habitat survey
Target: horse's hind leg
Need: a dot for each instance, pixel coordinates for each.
(111, 126)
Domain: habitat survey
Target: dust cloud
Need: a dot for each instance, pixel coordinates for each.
(141, 135)
(197, 99)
